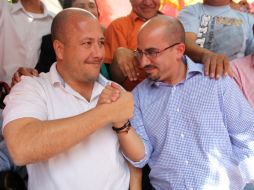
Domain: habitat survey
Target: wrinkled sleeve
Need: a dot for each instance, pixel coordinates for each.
(137, 124)
(239, 119)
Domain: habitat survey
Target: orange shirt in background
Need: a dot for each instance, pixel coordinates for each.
(122, 32)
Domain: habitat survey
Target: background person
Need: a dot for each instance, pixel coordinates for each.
(216, 33)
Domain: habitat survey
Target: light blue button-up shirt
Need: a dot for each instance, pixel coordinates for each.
(198, 134)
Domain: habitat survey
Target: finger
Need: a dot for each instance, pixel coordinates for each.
(122, 68)
(219, 69)
(16, 77)
(136, 66)
(35, 72)
(226, 67)
(104, 101)
(115, 97)
(207, 66)
(212, 68)
(13, 82)
(130, 70)
(25, 71)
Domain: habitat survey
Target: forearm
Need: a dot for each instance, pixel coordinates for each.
(195, 52)
(135, 178)
(30, 140)
(131, 145)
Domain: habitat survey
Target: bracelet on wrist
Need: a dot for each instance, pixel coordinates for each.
(124, 129)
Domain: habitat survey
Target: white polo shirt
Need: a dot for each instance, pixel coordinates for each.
(95, 163)
(20, 37)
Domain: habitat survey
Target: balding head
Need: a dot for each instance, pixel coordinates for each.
(65, 20)
(169, 28)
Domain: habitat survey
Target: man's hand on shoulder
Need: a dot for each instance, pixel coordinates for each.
(126, 61)
(216, 65)
(23, 71)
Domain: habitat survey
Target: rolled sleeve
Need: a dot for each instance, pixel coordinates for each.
(148, 147)
(137, 124)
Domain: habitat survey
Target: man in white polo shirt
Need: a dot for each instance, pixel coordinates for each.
(22, 26)
(59, 125)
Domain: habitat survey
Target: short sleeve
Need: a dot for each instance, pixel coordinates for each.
(26, 99)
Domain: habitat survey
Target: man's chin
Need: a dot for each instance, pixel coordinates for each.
(153, 78)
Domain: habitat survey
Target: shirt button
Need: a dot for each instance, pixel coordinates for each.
(190, 188)
(30, 19)
(186, 162)
(182, 135)
(178, 110)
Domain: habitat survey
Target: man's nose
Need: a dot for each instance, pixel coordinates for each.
(143, 61)
(98, 50)
(147, 2)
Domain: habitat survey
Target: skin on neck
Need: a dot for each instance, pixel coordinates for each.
(32, 6)
(179, 75)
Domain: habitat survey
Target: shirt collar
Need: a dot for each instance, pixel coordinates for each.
(192, 70)
(135, 17)
(56, 79)
(19, 7)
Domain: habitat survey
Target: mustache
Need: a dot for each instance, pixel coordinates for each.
(149, 67)
(94, 61)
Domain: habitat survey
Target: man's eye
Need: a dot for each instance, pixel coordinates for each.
(101, 43)
(152, 52)
(91, 5)
(87, 44)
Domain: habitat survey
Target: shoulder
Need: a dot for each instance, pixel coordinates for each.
(192, 8)
(243, 61)
(142, 88)
(32, 84)
(120, 22)
(47, 11)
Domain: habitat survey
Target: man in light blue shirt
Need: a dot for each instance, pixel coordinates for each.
(216, 33)
(195, 133)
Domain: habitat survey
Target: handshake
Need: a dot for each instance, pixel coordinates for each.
(119, 104)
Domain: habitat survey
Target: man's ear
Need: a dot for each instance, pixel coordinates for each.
(181, 49)
(59, 48)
